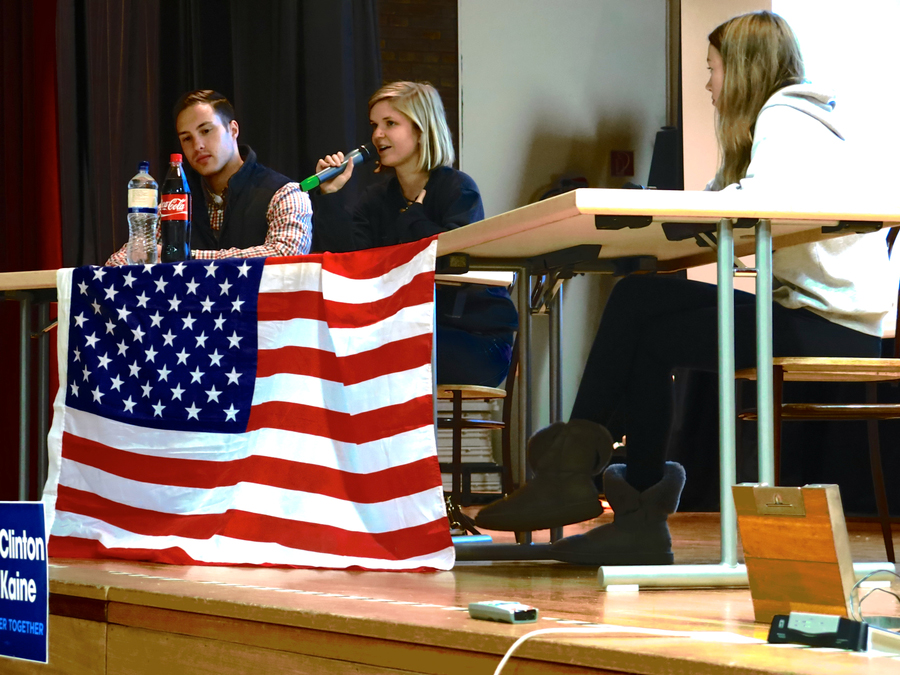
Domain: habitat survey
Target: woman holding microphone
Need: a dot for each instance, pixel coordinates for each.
(425, 196)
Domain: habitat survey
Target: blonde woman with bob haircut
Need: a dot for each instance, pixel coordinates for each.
(422, 104)
(424, 197)
(776, 133)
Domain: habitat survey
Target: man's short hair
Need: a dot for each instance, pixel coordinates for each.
(221, 105)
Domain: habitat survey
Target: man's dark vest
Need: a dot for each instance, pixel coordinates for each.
(249, 192)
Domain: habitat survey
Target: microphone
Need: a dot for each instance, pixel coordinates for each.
(362, 154)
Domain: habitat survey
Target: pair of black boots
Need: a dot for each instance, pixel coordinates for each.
(564, 458)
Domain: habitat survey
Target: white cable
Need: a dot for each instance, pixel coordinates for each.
(856, 602)
(611, 629)
(545, 631)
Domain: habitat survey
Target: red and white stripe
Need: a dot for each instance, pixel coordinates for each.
(338, 466)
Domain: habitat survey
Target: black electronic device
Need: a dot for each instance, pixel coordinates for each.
(819, 630)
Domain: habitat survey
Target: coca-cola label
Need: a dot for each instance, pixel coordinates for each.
(174, 207)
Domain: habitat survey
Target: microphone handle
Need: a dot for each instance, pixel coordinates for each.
(354, 156)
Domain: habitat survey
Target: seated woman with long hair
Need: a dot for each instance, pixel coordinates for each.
(777, 134)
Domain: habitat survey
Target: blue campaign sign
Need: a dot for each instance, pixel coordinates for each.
(23, 581)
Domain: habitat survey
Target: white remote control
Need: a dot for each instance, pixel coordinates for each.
(503, 610)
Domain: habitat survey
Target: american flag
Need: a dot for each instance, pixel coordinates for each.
(271, 411)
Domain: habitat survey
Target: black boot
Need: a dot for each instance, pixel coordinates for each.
(564, 457)
(639, 533)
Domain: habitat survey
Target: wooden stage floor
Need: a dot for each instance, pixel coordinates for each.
(119, 617)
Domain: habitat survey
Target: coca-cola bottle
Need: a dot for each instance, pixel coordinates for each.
(175, 214)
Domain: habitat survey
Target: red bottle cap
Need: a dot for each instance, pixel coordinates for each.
(175, 159)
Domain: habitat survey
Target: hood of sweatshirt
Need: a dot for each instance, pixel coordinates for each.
(806, 98)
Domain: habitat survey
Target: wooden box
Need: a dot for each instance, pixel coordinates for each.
(796, 549)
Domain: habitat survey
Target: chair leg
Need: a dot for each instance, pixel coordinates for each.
(465, 498)
(881, 500)
(458, 519)
(739, 393)
(778, 398)
(457, 446)
(508, 482)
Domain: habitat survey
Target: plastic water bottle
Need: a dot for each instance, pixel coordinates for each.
(175, 213)
(142, 216)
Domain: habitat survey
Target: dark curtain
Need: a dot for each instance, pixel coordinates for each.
(29, 193)
(29, 170)
(107, 64)
(299, 74)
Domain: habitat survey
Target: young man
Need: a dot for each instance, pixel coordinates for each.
(251, 211)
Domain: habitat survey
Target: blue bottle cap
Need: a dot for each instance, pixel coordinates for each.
(144, 167)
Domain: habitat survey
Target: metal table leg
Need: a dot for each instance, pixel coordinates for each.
(728, 572)
(764, 395)
(523, 301)
(43, 391)
(705, 576)
(556, 318)
(727, 422)
(24, 394)
(556, 406)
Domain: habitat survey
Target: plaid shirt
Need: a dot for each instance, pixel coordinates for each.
(290, 229)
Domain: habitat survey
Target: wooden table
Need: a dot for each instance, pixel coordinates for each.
(622, 231)
(619, 231)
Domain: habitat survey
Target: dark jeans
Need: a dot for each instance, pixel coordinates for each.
(472, 358)
(653, 324)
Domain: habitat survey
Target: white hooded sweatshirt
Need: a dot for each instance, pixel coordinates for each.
(798, 147)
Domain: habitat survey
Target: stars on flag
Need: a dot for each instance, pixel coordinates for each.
(170, 346)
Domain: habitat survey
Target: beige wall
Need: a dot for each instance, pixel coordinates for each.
(549, 87)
